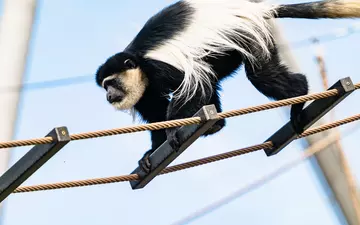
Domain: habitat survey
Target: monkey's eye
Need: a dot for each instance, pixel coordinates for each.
(105, 86)
(129, 64)
(107, 83)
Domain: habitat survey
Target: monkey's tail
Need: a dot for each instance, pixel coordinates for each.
(320, 9)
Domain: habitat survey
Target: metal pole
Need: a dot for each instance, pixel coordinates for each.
(15, 32)
(345, 166)
(328, 161)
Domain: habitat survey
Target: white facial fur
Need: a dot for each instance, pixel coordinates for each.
(134, 83)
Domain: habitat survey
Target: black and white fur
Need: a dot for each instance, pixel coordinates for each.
(190, 46)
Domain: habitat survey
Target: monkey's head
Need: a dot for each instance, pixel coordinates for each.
(123, 80)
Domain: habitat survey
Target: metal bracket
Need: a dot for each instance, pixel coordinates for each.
(310, 115)
(32, 161)
(164, 154)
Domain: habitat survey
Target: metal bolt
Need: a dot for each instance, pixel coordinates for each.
(348, 83)
(211, 112)
(63, 132)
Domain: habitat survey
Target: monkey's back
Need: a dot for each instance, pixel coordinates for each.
(164, 25)
(184, 34)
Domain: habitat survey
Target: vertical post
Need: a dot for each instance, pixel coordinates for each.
(15, 32)
(345, 166)
(321, 63)
(326, 163)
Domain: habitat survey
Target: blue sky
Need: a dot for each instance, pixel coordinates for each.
(71, 38)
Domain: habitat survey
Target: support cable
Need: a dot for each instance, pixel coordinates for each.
(332, 35)
(319, 56)
(312, 150)
(176, 123)
(182, 166)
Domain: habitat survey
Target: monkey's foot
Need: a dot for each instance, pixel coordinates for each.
(295, 117)
(173, 138)
(215, 128)
(144, 162)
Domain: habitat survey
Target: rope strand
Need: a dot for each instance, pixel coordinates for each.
(174, 123)
(183, 166)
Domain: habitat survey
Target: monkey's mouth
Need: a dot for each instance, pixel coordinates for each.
(115, 95)
(117, 105)
(124, 104)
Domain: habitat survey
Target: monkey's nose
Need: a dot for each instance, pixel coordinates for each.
(112, 97)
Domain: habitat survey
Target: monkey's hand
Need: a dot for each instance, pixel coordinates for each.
(215, 128)
(173, 138)
(144, 162)
(295, 117)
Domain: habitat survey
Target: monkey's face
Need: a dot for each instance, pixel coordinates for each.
(123, 81)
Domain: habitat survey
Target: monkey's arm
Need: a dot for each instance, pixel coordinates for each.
(152, 108)
(180, 109)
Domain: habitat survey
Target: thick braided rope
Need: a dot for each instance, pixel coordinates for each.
(77, 183)
(216, 158)
(18, 143)
(277, 104)
(173, 123)
(181, 166)
(130, 177)
(329, 126)
(133, 129)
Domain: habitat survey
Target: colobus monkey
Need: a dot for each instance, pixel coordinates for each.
(189, 47)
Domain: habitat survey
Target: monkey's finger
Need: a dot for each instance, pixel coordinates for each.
(143, 165)
(174, 143)
(147, 163)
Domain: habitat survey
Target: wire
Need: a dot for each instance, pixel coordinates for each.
(174, 123)
(183, 166)
(48, 84)
(317, 147)
(324, 38)
(327, 37)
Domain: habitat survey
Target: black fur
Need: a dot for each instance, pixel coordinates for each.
(162, 26)
(311, 10)
(270, 78)
(152, 107)
(115, 64)
(274, 80)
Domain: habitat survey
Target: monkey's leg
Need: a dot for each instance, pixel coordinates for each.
(276, 81)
